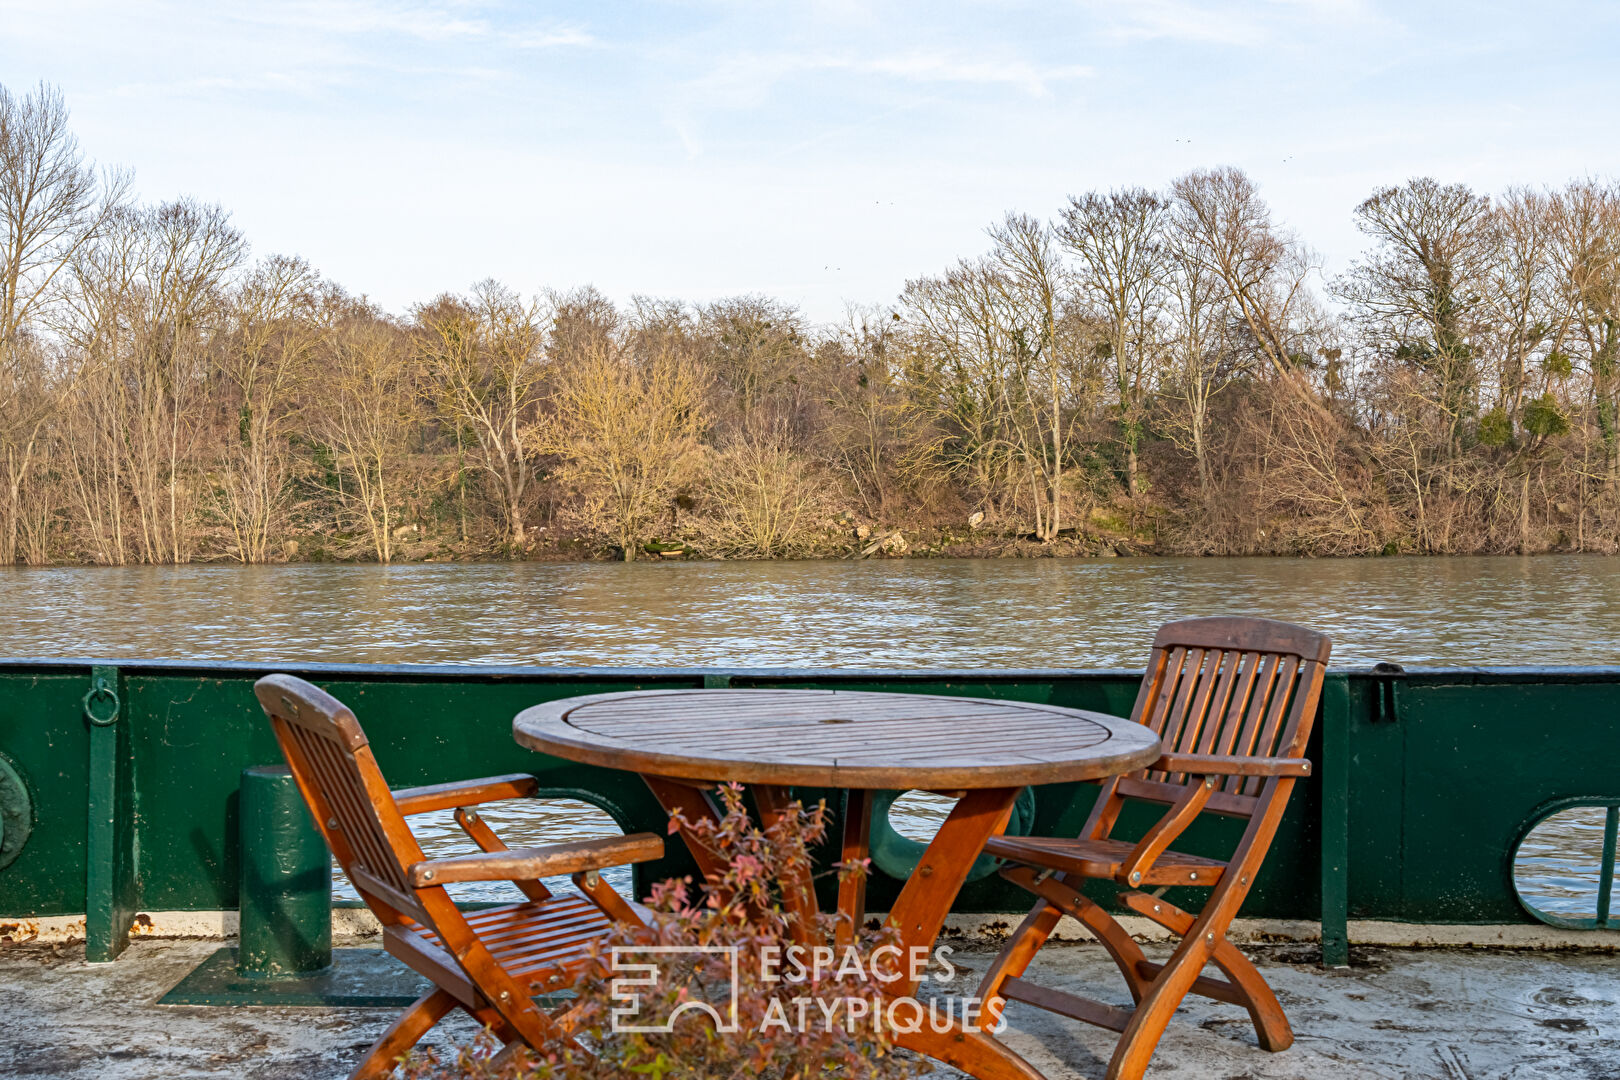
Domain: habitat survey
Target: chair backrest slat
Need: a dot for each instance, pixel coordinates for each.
(1244, 668)
(1262, 725)
(1161, 688)
(331, 757)
(1219, 729)
(1230, 686)
(1200, 692)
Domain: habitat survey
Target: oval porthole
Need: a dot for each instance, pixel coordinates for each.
(903, 822)
(1563, 864)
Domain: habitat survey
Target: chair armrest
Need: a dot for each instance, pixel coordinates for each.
(1158, 839)
(1213, 764)
(526, 864)
(419, 800)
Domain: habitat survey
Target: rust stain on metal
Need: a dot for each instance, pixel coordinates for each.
(15, 933)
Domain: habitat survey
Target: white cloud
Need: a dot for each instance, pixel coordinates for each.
(1033, 79)
(1180, 20)
(552, 39)
(747, 78)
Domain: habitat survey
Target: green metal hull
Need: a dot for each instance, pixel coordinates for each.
(1426, 779)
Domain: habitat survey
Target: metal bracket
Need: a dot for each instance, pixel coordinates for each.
(110, 888)
(1387, 703)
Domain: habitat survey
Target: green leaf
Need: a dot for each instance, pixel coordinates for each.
(1495, 429)
(1542, 417)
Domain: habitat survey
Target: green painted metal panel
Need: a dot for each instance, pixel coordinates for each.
(422, 730)
(44, 734)
(1442, 768)
(1477, 760)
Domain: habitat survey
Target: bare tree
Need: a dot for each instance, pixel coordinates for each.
(1204, 362)
(1030, 288)
(627, 430)
(187, 251)
(1422, 289)
(485, 356)
(1231, 233)
(998, 363)
(764, 497)
(1119, 241)
(264, 357)
(51, 206)
(753, 343)
(1583, 250)
(147, 299)
(873, 429)
(367, 410)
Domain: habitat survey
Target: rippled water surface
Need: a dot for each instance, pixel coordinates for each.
(1557, 868)
(998, 613)
(892, 614)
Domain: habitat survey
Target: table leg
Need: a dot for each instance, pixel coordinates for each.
(798, 886)
(919, 912)
(856, 847)
(694, 805)
(919, 915)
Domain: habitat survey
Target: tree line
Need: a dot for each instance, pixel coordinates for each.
(1149, 370)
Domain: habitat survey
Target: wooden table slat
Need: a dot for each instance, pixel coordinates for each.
(874, 740)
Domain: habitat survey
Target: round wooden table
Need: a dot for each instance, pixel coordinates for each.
(682, 742)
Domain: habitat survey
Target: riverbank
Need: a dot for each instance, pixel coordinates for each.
(1118, 529)
(839, 539)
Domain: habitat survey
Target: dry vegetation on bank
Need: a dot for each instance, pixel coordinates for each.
(1151, 370)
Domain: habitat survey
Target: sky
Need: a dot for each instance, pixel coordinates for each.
(820, 152)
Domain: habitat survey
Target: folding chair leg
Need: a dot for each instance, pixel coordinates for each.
(1153, 1013)
(1270, 1022)
(1014, 957)
(1248, 986)
(1056, 898)
(405, 1033)
(498, 1025)
(507, 1057)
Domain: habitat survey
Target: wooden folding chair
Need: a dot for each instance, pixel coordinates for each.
(490, 962)
(1232, 701)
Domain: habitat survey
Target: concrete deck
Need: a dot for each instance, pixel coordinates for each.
(1451, 1014)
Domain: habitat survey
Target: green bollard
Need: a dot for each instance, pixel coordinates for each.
(286, 896)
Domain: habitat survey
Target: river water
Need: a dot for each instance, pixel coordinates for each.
(1000, 613)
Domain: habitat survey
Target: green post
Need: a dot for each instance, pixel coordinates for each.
(1335, 779)
(286, 895)
(110, 890)
(1611, 830)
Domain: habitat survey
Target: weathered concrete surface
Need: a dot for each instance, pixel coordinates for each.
(1451, 1014)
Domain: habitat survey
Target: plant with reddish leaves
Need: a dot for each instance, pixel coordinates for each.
(745, 1004)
